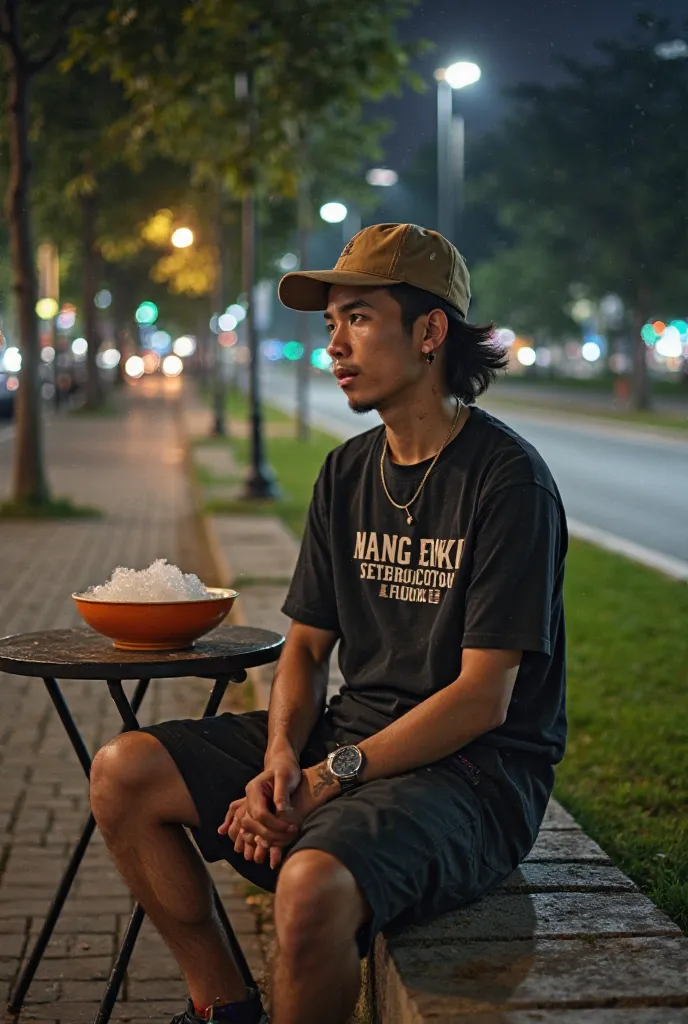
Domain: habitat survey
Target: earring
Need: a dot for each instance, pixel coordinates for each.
(430, 357)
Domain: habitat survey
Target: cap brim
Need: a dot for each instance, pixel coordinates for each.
(308, 289)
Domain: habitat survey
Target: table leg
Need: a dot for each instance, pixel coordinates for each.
(18, 996)
(127, 948)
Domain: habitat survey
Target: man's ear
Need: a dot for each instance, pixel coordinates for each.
(437, 327)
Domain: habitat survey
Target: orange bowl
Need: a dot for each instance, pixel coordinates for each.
(155, 625)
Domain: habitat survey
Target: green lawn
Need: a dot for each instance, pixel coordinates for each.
(57, 508)
(296, 465)
(236, 406)
(625, 775)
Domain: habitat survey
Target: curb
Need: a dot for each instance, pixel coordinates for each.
(667, 565)
(223, 572)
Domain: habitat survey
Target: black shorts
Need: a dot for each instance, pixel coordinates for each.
(418, 844)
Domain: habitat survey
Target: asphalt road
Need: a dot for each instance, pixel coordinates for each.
(630, 483)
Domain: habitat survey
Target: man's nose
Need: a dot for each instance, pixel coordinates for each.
(338, 345)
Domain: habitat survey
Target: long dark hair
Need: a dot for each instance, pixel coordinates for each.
(472, 356)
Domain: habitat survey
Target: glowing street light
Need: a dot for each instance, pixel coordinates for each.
(450, 141)
(673, 49)
(184, 346)
(460, 74)
(383, 177)
(182, 238)
(172, 366)
(47, 308)
(227, 322)
(289, 261)
(12, 360)
(237, 311)
(134, 367)
(526, 356)
(333, 213)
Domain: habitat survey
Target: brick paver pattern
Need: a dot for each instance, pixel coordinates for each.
(132, 467)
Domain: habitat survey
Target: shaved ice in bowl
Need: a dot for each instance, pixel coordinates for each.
(159, 582)
(158, 608)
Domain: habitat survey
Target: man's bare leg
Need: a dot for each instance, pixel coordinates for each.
(317, 971)
(141, 803)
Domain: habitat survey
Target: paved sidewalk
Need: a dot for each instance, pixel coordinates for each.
(567, 939)
(132, 466)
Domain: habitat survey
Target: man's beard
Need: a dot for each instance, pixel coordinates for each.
(362, 407)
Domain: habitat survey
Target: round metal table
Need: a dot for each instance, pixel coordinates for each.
(223, 656)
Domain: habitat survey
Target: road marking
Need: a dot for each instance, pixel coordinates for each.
(674, 567)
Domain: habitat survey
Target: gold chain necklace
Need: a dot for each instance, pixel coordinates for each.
(409, 517)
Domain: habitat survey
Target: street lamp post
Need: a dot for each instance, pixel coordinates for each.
(450, 143)
(303, 324)
(219, 399)
(260, 479)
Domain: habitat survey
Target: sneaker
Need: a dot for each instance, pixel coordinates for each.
(189, 1016)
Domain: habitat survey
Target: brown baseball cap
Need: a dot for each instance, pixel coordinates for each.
(382, 255)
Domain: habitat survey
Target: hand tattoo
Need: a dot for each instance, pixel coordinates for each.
(325, 778)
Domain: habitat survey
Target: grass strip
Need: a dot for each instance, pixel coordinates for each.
(600, 384)
(625, 774)
(60, 508)
(297, 465)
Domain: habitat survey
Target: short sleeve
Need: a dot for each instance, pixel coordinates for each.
(516, 561)
(311, 596)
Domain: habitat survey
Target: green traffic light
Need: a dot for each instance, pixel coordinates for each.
(147, 313)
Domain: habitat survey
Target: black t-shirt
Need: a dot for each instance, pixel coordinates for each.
(481, 566)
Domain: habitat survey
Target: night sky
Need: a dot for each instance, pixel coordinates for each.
(512, 41)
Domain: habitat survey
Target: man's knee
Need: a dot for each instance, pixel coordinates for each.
(131, 773)
(316, 894)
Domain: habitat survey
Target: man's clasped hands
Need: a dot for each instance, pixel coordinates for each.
(277, 802)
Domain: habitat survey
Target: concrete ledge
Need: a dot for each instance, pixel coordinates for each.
(485, 982)
(567, 938)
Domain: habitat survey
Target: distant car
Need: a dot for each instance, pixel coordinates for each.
(8, 391)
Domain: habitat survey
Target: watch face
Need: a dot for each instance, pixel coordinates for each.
(346, 761)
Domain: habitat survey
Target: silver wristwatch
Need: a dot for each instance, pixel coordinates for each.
(346, 764)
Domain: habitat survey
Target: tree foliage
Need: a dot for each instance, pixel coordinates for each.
(314, 65)
(588, 183)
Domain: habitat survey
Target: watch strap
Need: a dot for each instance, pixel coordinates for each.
(348, 784)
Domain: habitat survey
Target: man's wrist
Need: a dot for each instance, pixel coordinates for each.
(279, 749)
(323, 786)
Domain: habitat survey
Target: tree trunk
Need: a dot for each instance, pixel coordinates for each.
(30, 484)
(90, 282)
(303, 366)
(640, 382)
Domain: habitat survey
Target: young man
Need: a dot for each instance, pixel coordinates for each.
(434, 553)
